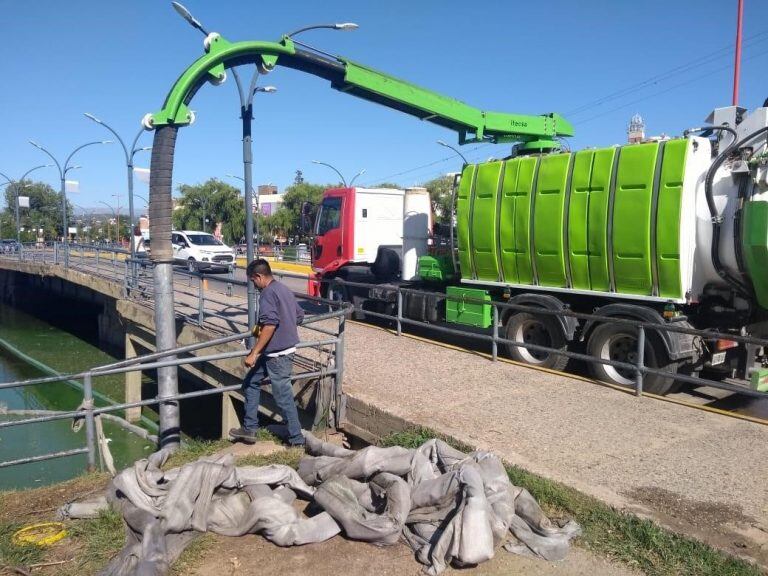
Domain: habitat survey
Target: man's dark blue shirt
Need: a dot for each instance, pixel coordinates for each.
(278, 307)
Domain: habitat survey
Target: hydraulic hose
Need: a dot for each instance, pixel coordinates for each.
(717, 218)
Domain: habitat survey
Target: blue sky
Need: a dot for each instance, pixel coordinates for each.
(595, 62)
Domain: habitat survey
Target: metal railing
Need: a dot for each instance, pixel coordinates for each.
(641, 328)
(208, 305)
(330, 347)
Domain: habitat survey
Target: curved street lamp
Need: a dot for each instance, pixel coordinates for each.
(454, 149)
(116, 219)
(348, 26)
(343, 181)
(129, 154)
(20, 183)
(355, 177)
(63, 176)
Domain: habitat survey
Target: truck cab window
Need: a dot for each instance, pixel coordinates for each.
(329, 216)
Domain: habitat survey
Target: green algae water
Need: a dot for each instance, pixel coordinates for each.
(29, 348)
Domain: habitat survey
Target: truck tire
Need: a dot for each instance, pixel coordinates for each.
(619, 343)
(542, 330)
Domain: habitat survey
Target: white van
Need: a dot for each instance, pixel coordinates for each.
(201, 251)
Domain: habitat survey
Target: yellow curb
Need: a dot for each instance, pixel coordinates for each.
(279, 265)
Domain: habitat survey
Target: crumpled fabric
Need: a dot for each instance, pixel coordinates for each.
(163, 510)
(452, 508)
(460, 507)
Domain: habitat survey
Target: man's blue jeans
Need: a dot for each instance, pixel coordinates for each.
(279, 370)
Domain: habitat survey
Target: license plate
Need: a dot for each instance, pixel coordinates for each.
(717, 358)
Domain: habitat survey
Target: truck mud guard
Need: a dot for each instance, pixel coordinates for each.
(678, 346)
(567, 323)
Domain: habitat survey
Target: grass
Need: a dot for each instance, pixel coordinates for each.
(192, 554)
(194, 449)
(639, 543)
(12, 555)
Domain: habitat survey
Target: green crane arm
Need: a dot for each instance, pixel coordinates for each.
(471, 124)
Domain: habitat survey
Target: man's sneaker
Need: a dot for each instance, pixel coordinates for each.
(244, 435)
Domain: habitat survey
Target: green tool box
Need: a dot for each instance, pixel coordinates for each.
(435, 268)
(471, 313)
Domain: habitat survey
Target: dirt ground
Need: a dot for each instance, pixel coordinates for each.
(252, 555)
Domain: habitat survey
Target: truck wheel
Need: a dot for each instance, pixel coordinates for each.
(536, 329)
(619, 343)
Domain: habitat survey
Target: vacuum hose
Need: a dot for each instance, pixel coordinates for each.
(717, 218)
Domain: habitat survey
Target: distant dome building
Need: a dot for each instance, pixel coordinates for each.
(636, 129)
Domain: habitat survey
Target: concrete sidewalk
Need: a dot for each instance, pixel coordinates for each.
(699, 473)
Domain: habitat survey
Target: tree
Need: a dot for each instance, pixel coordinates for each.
(299, 178)
(217, 202)
(288, 217)
(440, 194)
(44, 211)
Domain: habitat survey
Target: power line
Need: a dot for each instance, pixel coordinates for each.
(666, 90)
(655, 79)
(673, 72)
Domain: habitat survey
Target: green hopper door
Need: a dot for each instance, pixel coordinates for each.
(599, 220)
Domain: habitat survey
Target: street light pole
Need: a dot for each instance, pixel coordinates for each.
(129, 154)
(454, 149)
(355, 177)
(246, 115)
(343, 181)
(19, 185)
(113, 214)
(63, 176)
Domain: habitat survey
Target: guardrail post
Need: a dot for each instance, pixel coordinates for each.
(200, 300)
(55, 252)
(640, 360)
(399, 312)
(231, 276)
(339, 377)
(90, 429)
(127, 279)
(98, 256)
(495, 337)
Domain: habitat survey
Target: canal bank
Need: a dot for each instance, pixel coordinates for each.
(29, 348)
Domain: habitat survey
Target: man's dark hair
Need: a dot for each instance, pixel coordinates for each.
(258, 266)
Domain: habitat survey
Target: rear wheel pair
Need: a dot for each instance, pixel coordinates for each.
(614, 342)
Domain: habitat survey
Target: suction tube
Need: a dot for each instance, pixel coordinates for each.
(717, 219)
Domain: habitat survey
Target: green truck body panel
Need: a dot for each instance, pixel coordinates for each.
(463, 205)
(548, 220)
(485, 235)
(514, 220)
(668, 219)
(755, 248)
(604, 220)
(459, 311)
(631, 224)
(588, 219)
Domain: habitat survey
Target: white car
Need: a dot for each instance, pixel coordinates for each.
(201, 251)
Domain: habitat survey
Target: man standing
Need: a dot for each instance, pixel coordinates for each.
(272, 355)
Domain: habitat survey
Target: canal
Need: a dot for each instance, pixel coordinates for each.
(31, 347)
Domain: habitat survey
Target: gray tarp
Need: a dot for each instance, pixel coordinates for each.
(450, 507)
